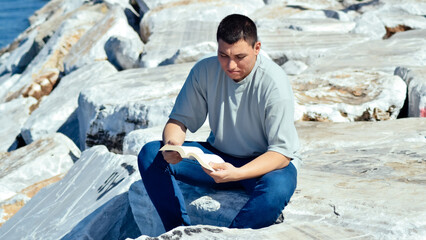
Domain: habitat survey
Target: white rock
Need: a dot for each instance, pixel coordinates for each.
(294, 67)
(91, 46)
(33, 163)
(292, 231)
(416, 82)
(163, 45)
(131, 99)
(13, 115)
(413, 7)
(402, 49)
(49, 62)
(57, 112)
(169, 27)
(314, 25)
(419, 34)
(6, 82)
(146, 5)
(54, 10)
(192, 53)
(382, 160)
(20, 57)
(124, 52)
(134, 141)
(89, 202)
(284, 44)
(315, 4)
(412, 21)
(43, 24)
(371, 25)
(348, 95)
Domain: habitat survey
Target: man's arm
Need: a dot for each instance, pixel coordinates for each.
(259, 166)
(174, 134)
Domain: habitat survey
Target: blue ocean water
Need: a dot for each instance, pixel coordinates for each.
(14, 16)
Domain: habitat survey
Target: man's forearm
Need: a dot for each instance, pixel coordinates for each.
(263, 164)
(174, 132)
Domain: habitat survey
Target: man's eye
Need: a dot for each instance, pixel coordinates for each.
(240, 57)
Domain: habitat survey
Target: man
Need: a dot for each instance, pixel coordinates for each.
(249, 102)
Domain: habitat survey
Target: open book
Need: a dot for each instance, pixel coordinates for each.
(194, 153)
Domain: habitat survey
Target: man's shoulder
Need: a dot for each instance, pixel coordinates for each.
(272, 72)
(270, 67)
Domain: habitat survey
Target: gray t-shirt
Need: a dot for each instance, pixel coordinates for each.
(246, 118)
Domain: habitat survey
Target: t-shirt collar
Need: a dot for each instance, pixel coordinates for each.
(250, 76)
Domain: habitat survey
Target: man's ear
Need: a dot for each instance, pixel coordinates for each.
(257, 47)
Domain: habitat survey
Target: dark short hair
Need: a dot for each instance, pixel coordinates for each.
(235, 27)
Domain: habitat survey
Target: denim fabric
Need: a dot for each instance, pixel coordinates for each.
(269, 194)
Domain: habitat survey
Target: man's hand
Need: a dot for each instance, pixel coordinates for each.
(171, 157)
(267, 162)
(174, 134)
(225, 172)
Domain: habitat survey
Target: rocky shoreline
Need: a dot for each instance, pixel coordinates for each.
(89, 82)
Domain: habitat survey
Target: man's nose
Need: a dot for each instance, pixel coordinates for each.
(232, 64)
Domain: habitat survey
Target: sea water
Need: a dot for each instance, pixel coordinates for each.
(14, 16)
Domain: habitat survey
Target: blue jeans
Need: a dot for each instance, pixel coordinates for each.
(269, 194)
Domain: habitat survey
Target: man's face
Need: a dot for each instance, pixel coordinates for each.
(238, 59)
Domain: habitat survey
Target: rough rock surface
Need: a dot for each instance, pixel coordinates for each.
(129, 100)
(89, 202)
(381, 55)
(167, 28)
(41, 160)
(43, 72)
(57, 113)
(348, 95)
(13, 115)
(124, 52)
(91, 47)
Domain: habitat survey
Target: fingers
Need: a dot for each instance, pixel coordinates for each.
(218, 166)
(171, 157)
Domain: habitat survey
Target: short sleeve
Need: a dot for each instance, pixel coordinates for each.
(279, 126)
(191, 107)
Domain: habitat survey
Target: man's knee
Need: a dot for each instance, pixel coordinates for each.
(147, 155)
(280, 185)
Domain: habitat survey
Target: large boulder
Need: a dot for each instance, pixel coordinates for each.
(366, 176)
(91, 46)
(348, 95)
(128, 100)
(90, 202)
(282, 16)
(6, 82)
(13, 115)
(307, 230)
(402, 49)
(124, 52)
(57, 112)
(44, 71)
(32, 164)
(167, 28)
(283, 44)
(43, 25)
